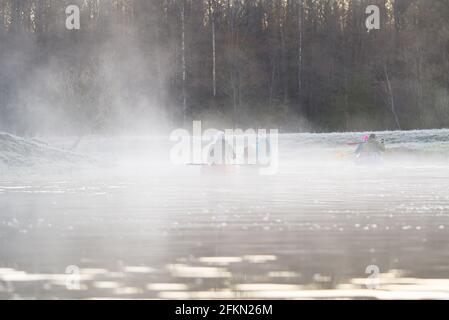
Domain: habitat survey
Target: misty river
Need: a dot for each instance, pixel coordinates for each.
(132, 225)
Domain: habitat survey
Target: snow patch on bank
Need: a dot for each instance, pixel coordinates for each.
(20, 152)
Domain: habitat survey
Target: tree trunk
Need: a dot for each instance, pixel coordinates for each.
(233, 64)
(300, 39)
(273, 75)
(391, 97)
(214, 78)
(283, 55)
(183, 61)
(418, 66)
(346, 100)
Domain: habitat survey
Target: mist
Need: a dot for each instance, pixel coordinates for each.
(101, 79)
(97, 202)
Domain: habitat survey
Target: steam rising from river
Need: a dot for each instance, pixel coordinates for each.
(138, 226)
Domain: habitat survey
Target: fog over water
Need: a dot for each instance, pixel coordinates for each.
(136, 225)
(92, 204)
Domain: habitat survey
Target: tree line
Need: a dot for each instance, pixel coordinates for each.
(291, 64)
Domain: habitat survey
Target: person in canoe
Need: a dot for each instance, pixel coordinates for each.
(371, 148)
(220, 152)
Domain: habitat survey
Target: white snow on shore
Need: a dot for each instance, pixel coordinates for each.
(20, 152)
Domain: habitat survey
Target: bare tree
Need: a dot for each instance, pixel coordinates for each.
(391, 96)
(214, 68)
(300, 57)
(183, 59)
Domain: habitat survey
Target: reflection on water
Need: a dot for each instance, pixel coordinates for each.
(309, 231)
(390, 286)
